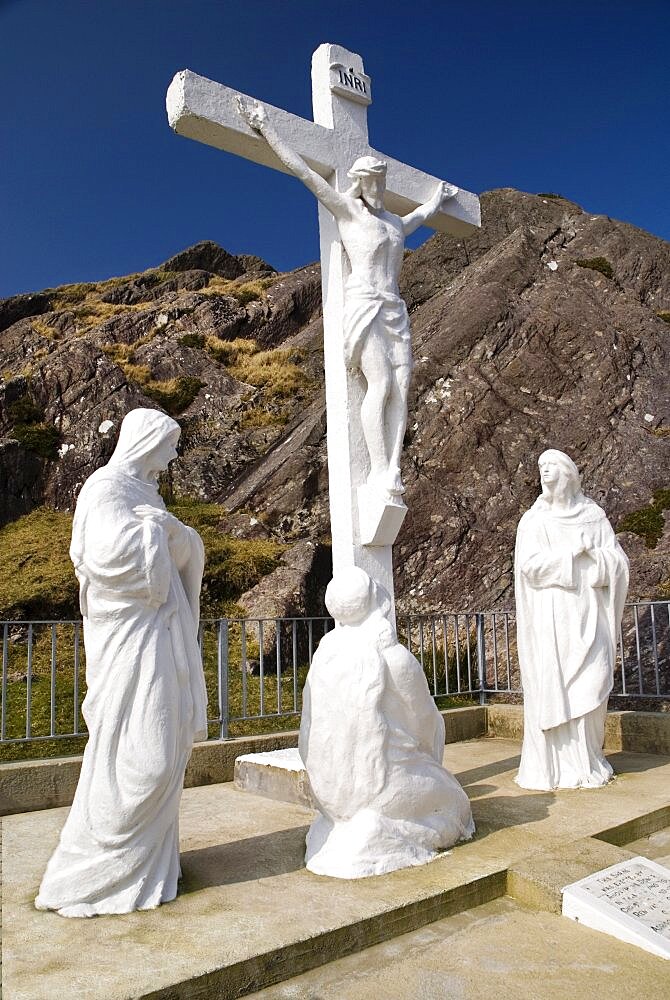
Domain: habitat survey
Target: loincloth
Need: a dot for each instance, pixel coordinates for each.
(367, 310)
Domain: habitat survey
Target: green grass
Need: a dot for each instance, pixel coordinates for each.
(244, 292)
(37, 580)
(257, 418)
(600, 264)
(233, 565)
(36, 576)
(648, 522)
(43, 329)
(69, 295)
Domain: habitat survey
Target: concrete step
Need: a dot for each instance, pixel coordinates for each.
(498, 949)
(28, 785)
(249, 915)
(276, 774)
(281, 775)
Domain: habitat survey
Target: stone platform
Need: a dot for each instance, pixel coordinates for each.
(497, 950)
(249, 915)
(277, 774)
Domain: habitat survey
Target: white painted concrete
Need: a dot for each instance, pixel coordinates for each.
(630, 901)
(362, 451)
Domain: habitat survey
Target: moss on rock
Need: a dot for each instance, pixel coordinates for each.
(29, 427)
(175, 394)
(648, 522)
(41, 439)
(600, 264)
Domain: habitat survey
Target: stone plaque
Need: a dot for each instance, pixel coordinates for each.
(348, 82)
(630, 901)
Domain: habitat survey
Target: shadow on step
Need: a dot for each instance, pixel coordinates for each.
(487, 770)
(244, 860)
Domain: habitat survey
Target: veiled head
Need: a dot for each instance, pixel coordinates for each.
(348, 596)
(558, 470)
(146, 433)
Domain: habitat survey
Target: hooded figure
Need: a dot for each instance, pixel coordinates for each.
(139, 571)
(571, 581)
(372, 741)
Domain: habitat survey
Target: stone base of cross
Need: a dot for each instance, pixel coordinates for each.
(364, 524)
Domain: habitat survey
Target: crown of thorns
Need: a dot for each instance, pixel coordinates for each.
(367, 166)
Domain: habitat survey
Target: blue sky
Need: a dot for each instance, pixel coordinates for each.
(571, 97)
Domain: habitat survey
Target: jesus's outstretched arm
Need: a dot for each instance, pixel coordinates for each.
(423, 212)
(257, 118)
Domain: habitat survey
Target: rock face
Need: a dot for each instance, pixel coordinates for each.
(542, 330)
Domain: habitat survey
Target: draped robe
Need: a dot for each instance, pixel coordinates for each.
(569, 611)
(372, 741)
(366, 309)
(144, 707)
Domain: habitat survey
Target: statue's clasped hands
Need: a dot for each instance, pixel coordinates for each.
(177, 533)
(584, 546)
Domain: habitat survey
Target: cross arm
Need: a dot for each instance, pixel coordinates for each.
(407, 188)
(201, 109)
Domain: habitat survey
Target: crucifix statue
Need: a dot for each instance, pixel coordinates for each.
(368, 204)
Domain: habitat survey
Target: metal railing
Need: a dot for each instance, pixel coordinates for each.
(255, 668)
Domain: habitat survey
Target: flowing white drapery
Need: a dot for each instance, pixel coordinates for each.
(372, 742)
(144, 707)
(569, 611)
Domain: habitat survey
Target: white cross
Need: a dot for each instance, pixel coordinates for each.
(341, 92)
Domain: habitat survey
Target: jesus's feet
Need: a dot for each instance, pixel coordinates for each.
(389, 484)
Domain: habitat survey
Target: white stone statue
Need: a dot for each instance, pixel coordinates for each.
(571, 580)
(139, 571)
(376, 324)
(372, 741)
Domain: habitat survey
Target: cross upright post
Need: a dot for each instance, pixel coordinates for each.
(363, 526)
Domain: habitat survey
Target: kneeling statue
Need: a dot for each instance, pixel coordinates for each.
(372, 741)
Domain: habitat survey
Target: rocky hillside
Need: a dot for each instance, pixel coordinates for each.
(548, 328)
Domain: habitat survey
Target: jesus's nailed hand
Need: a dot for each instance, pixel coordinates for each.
(253, 113)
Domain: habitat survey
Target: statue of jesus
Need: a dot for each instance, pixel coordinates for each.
(376, 324)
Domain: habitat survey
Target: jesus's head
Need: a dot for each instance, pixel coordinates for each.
(369, 177)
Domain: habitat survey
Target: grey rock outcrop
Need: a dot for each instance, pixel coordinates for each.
(548, 328)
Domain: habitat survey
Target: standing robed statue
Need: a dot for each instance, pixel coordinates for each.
(139, 572)
(571, 581)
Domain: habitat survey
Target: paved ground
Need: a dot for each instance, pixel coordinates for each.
(498, 950)
(250, 915)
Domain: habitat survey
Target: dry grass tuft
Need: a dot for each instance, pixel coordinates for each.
(275, 371)
(43, 329)
(243, 292)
